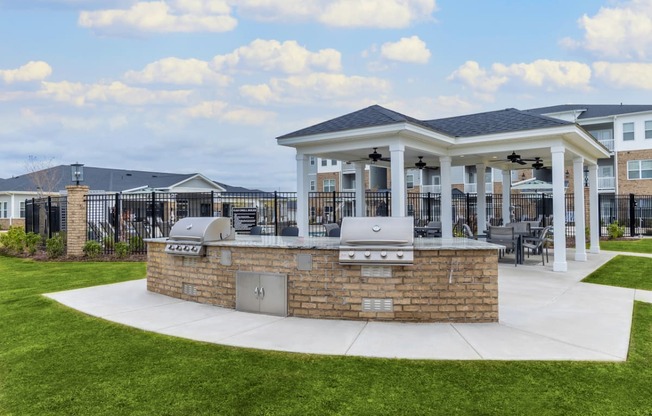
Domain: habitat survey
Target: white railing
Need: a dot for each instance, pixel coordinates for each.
(606, 182)
(471, 188)
(609, 144)
(435, 189)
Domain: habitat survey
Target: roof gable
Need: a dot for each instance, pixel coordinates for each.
(588, 111)
(372, 116)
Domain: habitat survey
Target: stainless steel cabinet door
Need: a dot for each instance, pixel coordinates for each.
(247, 286)
(273, 299)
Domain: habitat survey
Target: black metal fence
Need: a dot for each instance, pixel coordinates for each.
(130, 218)
(46, 216)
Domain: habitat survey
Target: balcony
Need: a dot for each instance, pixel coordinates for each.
(608, 143)
(606, 183)
(471, 188)
(433, 189)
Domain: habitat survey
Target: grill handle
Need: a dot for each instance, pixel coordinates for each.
(376, 242)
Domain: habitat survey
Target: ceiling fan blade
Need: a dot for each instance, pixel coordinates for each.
(521, 162)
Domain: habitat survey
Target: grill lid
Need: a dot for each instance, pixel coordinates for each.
(202, 230)
(377, 231)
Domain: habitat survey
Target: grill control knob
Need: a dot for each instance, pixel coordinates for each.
(383, 254)
(399, 254)
(195, 249)
(351, 253)
(367, 253)
(186, 248)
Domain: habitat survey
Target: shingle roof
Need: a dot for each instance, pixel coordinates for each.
(372, 116)
(593, 110)
(104, 179)
(502, 121)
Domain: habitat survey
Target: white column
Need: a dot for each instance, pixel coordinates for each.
(594, 220)
(507, 196)
(578, 200)
(12, 210)
(360, 203)
(482, 195)
(303, 191)
(446, 198)
(559, 209)
(397, 154)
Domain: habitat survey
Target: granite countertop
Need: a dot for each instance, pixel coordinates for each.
(333, 243)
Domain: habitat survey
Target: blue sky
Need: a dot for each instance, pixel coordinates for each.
(206, 85)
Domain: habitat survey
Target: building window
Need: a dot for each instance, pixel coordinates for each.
(324, 162)
(639, 169)
(329, 185)
(312, 161)
(3, 210)
(22, 209)
(334, 162)
(409, 182)
(312, 186)
(628, 131)
(648, 129)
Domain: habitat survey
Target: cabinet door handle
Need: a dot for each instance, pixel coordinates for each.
(262, 293)
(256, 292)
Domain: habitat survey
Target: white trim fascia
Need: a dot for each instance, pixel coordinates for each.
(134, 190)
(613, 117)
(202, 177)
(366, 132)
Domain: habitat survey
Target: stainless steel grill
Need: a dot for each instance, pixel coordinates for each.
(189, 236)
(377, 240)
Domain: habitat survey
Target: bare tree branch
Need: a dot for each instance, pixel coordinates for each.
(44, 179)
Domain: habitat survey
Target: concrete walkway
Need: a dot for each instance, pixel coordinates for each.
(544, 315)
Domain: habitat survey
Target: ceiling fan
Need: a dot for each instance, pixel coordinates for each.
(538, 164)
(516, 158)
(421, 164)
(375, 156)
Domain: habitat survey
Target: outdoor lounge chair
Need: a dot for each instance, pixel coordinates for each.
(256, 230)
(504, 236)
(536, 244)
(332, 229)
(290, 232)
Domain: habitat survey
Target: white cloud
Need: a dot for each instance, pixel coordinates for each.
(114, 93)
(547, 73)
(624, 31)
(542, 73)
(271, 55)
(477, 78)
(316, 87)
(162, 16)
(340, 13)
(624, 75)
(223, 111)
(31, 71)
(412, 50)
(427, 108)
(178, 71)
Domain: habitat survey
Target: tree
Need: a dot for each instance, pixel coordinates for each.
(45, 179)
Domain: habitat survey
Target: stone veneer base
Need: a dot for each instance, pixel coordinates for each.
(455, 281)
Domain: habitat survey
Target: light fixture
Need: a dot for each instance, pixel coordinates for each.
(77, 171)
(567, 174)
(586, 176)
(523, 176)
(420, 164)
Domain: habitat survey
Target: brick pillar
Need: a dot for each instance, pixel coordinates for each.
(76, 223)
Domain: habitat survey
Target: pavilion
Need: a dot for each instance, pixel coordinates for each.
(483, 139)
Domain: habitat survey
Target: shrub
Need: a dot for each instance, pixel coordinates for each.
(13, 240)
(121, 249)
(614, 230)
(108, 242)
(32, 241)
(55, 247)
(92, 249)
(135, 244)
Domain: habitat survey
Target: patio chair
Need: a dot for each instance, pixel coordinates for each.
(436, 229)
(332, 229)
(256, 230)
(467, 231)
(504, 236)
(290, 232)
(540, 243)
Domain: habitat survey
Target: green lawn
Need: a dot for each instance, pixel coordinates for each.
(56, 361)
(643, 245)
(624, 271)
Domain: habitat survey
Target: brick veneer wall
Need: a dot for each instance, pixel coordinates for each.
(76, 221)
(6, 223)
(633, 186)
(423, 292)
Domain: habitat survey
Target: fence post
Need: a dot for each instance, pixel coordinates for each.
(77, 219)
(429, 206)
(153, 219)
(276, 213)
(632, 215)
(334, 208)
(387, 206)
(213, 204)
(33, 215)
(48, 224)
(599, 215)
(117, 217)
